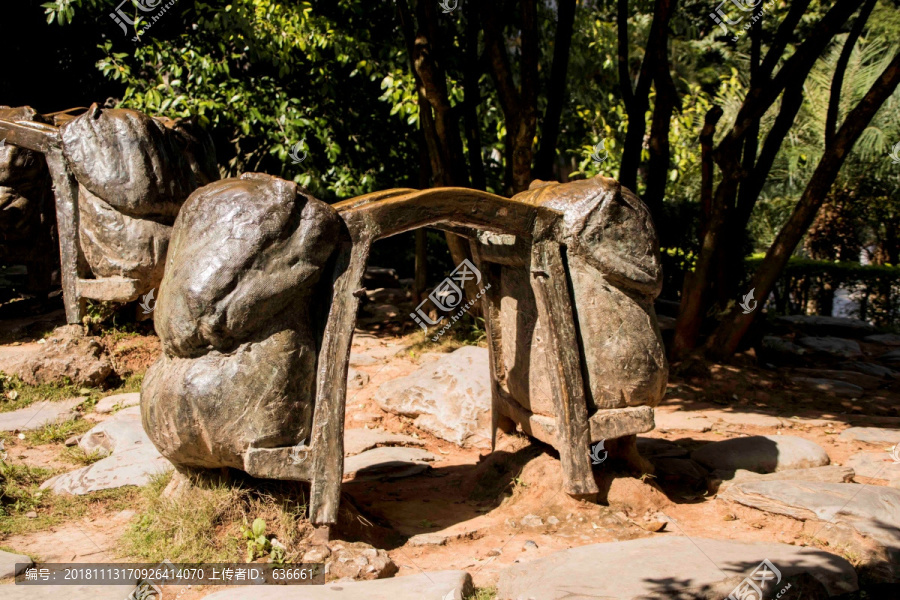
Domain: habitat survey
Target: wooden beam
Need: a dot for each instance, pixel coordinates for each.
(327, 438)
(71, 262)
(30, 135)
(554, 302)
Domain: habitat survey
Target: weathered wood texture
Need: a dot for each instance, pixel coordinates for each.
(554, 302)
(331, 393)
(72, 265)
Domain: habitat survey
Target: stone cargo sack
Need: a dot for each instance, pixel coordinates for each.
(134, 173)
(240, 314)
(613, 262)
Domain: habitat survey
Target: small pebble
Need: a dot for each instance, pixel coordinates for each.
(31, 514)
(529, 545)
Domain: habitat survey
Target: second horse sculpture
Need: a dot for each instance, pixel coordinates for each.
(258, 304)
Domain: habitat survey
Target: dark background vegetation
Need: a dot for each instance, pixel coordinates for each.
(763, 153)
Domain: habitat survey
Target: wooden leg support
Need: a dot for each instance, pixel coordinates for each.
(554, 302)
(327, 440)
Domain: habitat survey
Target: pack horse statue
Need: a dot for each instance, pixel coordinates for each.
(258, 305)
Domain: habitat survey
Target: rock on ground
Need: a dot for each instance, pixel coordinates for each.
(830, 386)
(826, 474)
(668, 567)
(682, 420)
(888, 339)
(877, 465)
(110, 403)
(435, 585)
(871, 435)
(358, 561)
(360, 440)
(870, 512)
(832, 346)
(121, 432)
(67, 355)
(8, 562)
(388, 463)
(762, 454)
(869, 369)
(134, 461)
(817, 325)
(356, 378)
(867, 382)
(39, 414)
(450, 398)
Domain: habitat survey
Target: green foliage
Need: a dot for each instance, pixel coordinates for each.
(56, 433)
(16, 394)
(257, 542)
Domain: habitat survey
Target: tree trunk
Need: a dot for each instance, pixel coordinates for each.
(730, 332)
(556, 93)
(519, 105)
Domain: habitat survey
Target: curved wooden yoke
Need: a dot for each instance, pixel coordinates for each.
(554, 226)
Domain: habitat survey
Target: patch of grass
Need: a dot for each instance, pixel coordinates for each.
(78, 456)
(16, 394)
(206, 522)
(56, 433)
(467, 331)
(132, 383)
(488, 593)
(19, 487)
(20, 493)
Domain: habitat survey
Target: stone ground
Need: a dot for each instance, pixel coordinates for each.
(439, 507)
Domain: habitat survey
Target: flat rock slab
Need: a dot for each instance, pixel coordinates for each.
(357, 441)
(826, 474)
(8, 562)
(827, 326)
(682, 421)
(667, 567)
(388, 463)
(871, 435)
(877, 465)
(872, 511)
(888, 339)
(435, 585)
(867, 382)
(128, 467)
(361, 360)
(39, 414)
(832, 346)
(122, 431)
(111, 403)
(134, 460)
(754, 419)
(66, 592)
(762, 454)
(450, 397)
(870, 369)
(830, 386)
